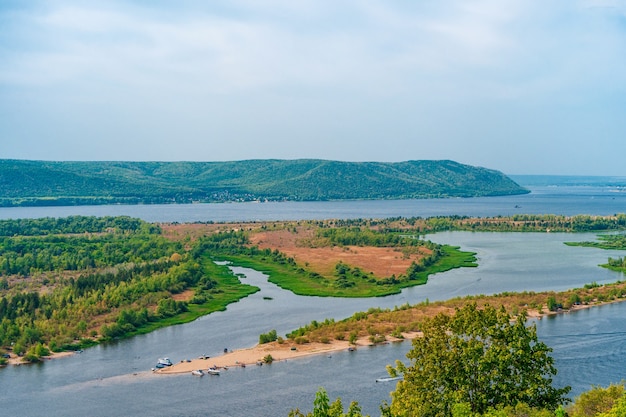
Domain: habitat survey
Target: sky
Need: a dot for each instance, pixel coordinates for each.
(520, 86)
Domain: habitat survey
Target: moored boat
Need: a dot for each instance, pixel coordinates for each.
(197, 372)
(164, 362)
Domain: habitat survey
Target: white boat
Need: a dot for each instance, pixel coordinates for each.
(197, 372)
(165, 361)
(388, 379)
(213, 371)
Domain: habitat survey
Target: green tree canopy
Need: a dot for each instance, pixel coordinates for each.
(322, 407)
(596, 401)
(479, 357)
(618, 410)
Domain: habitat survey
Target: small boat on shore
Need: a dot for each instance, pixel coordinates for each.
(164, 362)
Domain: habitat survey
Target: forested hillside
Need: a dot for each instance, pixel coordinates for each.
(24, 183)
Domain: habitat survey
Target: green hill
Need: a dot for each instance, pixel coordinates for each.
(25, 182)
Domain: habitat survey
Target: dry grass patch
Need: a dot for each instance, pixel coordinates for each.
(381, 261)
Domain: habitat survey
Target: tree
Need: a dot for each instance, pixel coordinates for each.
(323, 408)
(618, 410)
(595, 401)
(478, 357)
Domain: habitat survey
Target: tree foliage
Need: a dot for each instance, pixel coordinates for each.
(596, 401)
(618, 409)
(322, 407)
(477, 357)
(123, 277)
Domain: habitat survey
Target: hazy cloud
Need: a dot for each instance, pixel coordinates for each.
(520, 86)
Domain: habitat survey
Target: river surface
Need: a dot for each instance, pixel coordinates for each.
(542, 200)
(115, 379)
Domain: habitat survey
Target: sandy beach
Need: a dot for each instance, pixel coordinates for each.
(278, 351)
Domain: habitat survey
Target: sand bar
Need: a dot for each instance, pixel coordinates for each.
(278, 351)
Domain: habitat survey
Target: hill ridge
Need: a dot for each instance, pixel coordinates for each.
(29, 182)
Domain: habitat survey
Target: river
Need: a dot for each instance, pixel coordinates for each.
(114, 379)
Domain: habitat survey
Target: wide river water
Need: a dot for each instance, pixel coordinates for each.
(115, 379)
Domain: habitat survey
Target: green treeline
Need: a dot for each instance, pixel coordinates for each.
(360, 236)
(515, 223)
(28, 255)
(73, 224)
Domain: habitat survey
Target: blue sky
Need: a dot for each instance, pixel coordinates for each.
(522, 86)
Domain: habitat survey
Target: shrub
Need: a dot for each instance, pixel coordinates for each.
(271, 336)
(379, 338)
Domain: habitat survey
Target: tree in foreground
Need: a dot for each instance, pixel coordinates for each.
(478, 360)
(322, 407)
(596, 401)
(618, 409)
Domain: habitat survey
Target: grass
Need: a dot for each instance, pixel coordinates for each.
(303, 281)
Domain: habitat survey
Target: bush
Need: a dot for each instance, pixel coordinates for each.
(300, 340)
(271, 336)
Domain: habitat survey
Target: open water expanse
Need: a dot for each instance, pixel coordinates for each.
(115, 379)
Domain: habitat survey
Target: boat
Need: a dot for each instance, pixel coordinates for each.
(213, 371)
(197, 372)
(388, 379)
(164, 362)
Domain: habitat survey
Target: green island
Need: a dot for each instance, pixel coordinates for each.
(69, 283)
(609, 242)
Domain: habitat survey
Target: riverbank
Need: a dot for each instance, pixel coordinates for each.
(18, 360)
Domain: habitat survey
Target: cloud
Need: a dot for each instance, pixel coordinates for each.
(341, 80)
